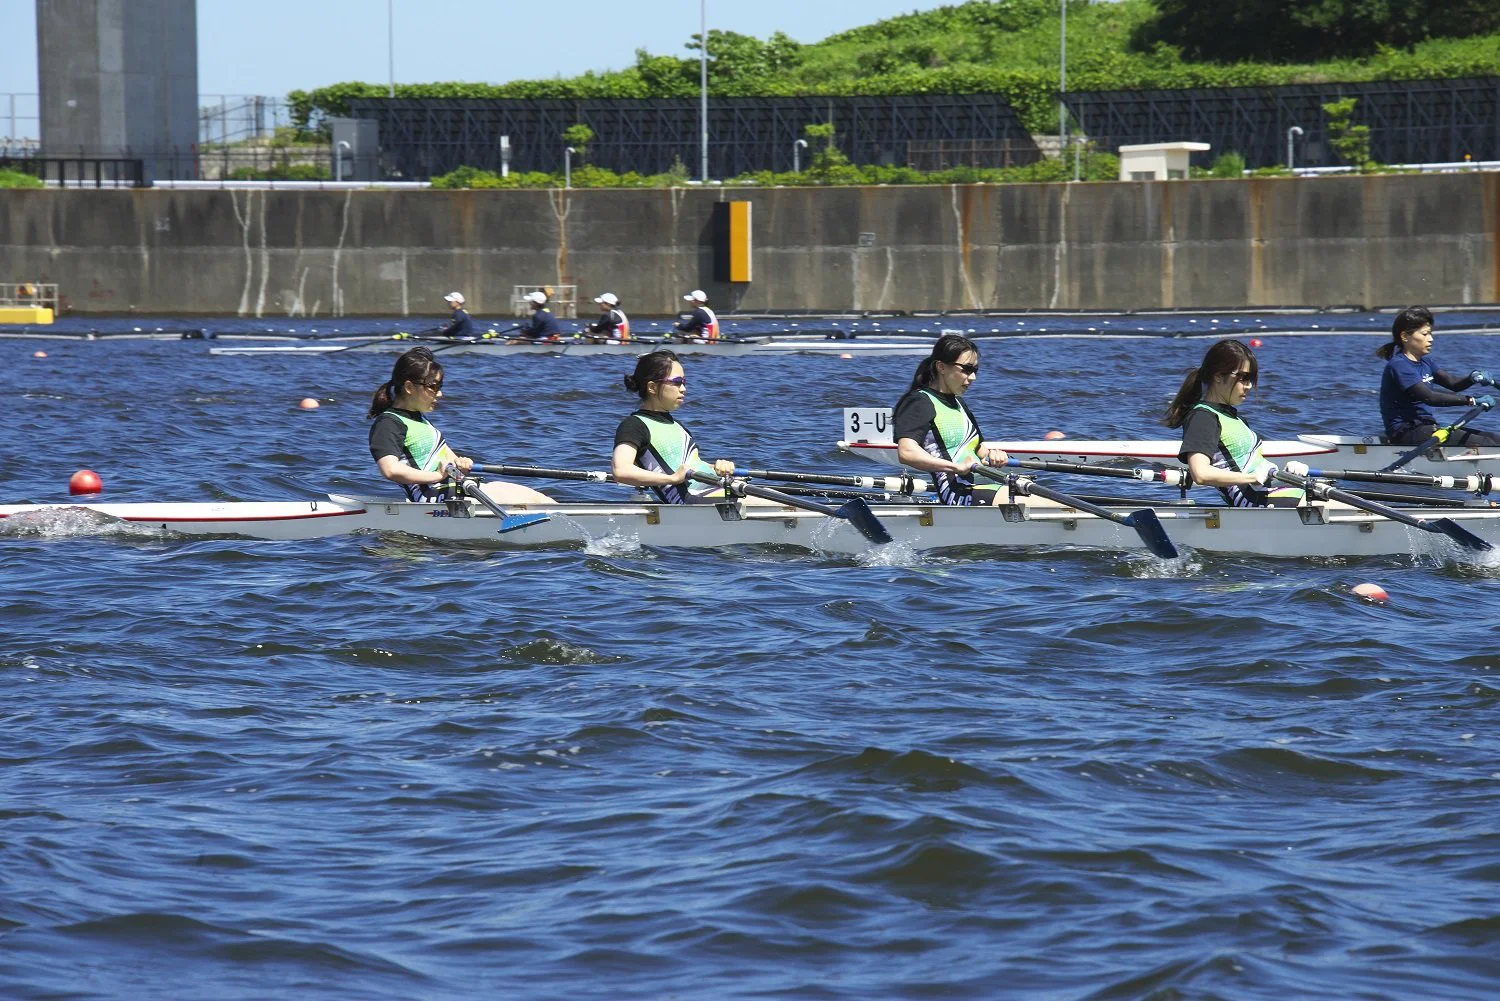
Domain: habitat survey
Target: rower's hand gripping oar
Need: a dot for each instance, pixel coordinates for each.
(508, 522)
(1438, 526)
(855, 512)
(1436, 440)
(1145, 522)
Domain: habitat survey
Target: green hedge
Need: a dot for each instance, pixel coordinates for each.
(1007, 47)
(16, 179)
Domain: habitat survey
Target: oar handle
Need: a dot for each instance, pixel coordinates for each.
(1327, 491)
(1436, 440)
(588, 475)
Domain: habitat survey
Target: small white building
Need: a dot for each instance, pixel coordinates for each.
(1157, 161)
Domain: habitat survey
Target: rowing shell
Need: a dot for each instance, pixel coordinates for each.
(1345, 451)
(1318, 529)
(738, 348)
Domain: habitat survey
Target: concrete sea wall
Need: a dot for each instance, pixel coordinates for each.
(1380, 240)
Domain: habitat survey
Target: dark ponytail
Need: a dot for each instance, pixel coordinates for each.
(1221, 359)
(416, 365)
(1409, 319)
(653, 367)
(949, 348)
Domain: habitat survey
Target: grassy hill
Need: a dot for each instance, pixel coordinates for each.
(1007, 46)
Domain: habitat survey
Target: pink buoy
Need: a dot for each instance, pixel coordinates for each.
(1054, 436)
(308, 403)
(1372, 592)
(38, 354)
(846, 355)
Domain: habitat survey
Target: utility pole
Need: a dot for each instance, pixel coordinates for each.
(703, 85)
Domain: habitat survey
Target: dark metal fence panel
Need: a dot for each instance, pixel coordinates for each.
(81, 171)
(420, 138)
(1411, 121)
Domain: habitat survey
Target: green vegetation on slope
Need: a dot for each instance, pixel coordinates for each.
(1007, 47)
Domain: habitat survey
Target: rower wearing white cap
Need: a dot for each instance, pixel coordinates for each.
(613, 325)
(542, 325)
(702, 323)
(462, 325)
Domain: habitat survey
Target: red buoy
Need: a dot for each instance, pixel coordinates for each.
(1255, 342)
(1371, 592)
(85, 481)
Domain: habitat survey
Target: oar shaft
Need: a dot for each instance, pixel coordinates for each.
(1325, 491)
(898, 484)
(587, 475)
(1435, 440)
(1145, 474)
(1476, 483)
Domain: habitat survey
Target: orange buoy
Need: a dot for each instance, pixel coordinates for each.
(85, 481)
(38, 354)
(1373, 592)
(1054, 436)
(308, 403)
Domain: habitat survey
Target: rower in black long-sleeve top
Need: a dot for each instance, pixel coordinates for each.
(1412, 384)
(542, 325)
(461, 325)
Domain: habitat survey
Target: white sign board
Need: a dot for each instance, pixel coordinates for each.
(868, 424)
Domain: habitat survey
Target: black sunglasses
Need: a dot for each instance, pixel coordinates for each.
(969, 369)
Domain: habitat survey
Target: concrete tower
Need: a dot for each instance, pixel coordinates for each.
(120, 78)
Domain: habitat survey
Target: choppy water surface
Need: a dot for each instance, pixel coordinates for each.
(374, 767)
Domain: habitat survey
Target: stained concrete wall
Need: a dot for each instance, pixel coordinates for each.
(1379, 240)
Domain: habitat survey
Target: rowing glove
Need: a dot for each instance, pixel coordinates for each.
(1484, 401)
(1482, 378)
(1267, 473)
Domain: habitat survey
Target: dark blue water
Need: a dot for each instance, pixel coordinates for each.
(375, 767)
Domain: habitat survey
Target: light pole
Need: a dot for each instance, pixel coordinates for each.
(1295, 130)
(797, 148)
(1062, 83)
(338, 158)
(390, 41)
(568, 166)
(703, 85)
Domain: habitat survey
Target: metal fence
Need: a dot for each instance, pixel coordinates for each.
(421, 138)
(20, 124)
(235, 118)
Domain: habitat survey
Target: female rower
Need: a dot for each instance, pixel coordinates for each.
(652, 450)
(1218, 447)
(462, 325)
(1406, 387)
(406, 446)
(935, 430)
(542, 326)
(613, 325)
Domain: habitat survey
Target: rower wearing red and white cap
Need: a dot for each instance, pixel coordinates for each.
(703, 323)
(613, 325)
(461, 325)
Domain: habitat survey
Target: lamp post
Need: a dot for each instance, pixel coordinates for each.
(1062, 83)
(1295, 130)
(338, 158)
(390, 41)
(797, 148)
(568, 166)
(703, 85)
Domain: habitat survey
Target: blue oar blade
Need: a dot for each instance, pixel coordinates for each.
(1149, 527)
(1461, 535)
(858, 514)
(511, 522)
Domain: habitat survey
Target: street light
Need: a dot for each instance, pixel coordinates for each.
(1062, 84)
(390, 40)
(568, 166)
(797, 148)
(338, 158)
(703, 84)
(1295, 130)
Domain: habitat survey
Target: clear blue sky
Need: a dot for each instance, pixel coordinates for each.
(273, 46)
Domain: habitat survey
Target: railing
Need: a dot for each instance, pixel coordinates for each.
(40, 294)
(562, 300)
(81, 171)
(20, 121)
(228, 118)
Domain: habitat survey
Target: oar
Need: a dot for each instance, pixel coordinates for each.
(402, 336)
(855, 512)
(589, 475)
(1436, 440)
(1438, 526)
(1145, 474)
(488, 337)
(508, 522)
(1474, 483)
(1145, 522)
(905, 483)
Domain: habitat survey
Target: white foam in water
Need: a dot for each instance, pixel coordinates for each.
(72, 522)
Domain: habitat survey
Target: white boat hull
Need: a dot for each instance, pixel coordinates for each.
(1319, 451)
(1318, 530)
(860, 347)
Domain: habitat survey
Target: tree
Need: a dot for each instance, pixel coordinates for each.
(1306, 30)
(578, 136)
(1351, 142)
